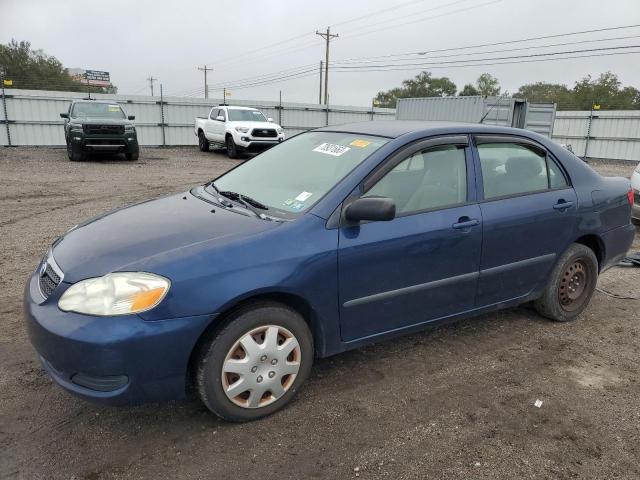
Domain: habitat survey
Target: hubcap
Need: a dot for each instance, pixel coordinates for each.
(573, 285)
(261, 366)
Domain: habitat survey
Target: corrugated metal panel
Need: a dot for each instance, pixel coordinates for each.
(35, 116)
(489, 110)
(613, 134)
(540, 118)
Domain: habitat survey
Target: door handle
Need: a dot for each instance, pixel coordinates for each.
(465, 222)
(562, 205)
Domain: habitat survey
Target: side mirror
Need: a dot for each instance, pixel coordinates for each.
(375, 209)
(270, 120)
(131, 117)
(220, 118)
(64, 115)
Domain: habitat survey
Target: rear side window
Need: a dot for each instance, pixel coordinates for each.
(514, 169)
(433, 178)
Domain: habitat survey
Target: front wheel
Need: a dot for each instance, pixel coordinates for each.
(255, 365)
(232, 150)
(571, 285)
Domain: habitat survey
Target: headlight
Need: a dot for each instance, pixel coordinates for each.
(242, 129)
(280, 131)
(76, 126)
(129, 128)
(119, 293)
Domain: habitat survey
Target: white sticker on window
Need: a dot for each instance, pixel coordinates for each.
(303, 196)
(331, 149)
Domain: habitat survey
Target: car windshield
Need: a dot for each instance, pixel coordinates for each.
(246, 116)
(107, 110)
(289, 178)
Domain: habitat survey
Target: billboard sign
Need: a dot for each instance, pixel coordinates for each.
(96, 78)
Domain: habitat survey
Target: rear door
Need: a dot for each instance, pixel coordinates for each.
(528, 211)
(422, 265)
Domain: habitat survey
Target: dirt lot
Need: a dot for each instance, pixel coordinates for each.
(454, 402)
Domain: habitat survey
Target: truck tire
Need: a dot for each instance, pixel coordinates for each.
(203, 143)
(232, 151)
(132, 156)
(570, 286)
(75, 154)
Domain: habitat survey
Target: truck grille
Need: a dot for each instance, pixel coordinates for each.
(103, 129)
(264, 132)
(48, 281)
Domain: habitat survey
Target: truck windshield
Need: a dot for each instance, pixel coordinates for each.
(289, 178)
(246, 116)
(97, 110)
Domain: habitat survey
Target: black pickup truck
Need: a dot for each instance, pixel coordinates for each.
(99, 126)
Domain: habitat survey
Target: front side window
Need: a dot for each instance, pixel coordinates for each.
(289, 178)
(246, 116)
(433, 178)
(514, 169)
(214, 114)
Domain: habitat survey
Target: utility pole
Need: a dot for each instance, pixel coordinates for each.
(320, 91)
(151, 80)
(206, 88)
(327, 37)
(4, 106)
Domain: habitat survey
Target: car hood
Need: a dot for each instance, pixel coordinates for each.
(100, 121)
(134, 234)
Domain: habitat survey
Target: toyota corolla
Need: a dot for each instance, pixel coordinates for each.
(333, 239)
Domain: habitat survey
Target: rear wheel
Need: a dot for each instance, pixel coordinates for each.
(203, 143)
(571, 285)
(232, 151)
(255, 365)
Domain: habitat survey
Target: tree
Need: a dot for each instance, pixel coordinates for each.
(422, 85)
(469, 91)
(488, 85)
(35, 70)
(606, 90)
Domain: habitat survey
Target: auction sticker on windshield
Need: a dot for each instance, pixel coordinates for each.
(360, 143)
(332, 149)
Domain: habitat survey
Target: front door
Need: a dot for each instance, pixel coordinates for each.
(529, 214)
(423, 265)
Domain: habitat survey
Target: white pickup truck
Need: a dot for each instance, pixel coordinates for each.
(238, 129)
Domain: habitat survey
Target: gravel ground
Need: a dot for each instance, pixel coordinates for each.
(452, 402)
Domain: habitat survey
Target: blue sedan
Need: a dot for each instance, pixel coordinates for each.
(336, 238)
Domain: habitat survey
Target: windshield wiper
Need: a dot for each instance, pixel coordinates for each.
(244, 200)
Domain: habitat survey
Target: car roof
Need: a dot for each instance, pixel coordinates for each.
(108, 102)
(396, 128)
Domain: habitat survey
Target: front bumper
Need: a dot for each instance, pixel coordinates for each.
(127, 143)
(250, 144)
(113, 360)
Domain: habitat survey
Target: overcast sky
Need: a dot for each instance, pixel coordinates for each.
(169, 39)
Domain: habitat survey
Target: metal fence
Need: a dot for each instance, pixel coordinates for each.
(610, 135)
(32, 117)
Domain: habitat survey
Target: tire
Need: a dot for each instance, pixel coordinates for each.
(232, 151)
(203, 143)
(75, 154)
(253, 326)
(133, 156)
(571, 285)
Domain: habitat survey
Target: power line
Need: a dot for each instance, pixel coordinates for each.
(428, 65)
(493, 44)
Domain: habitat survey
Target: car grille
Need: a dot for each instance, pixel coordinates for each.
(48, 281)
(264, 132)
(103, 129)
(636, 197)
